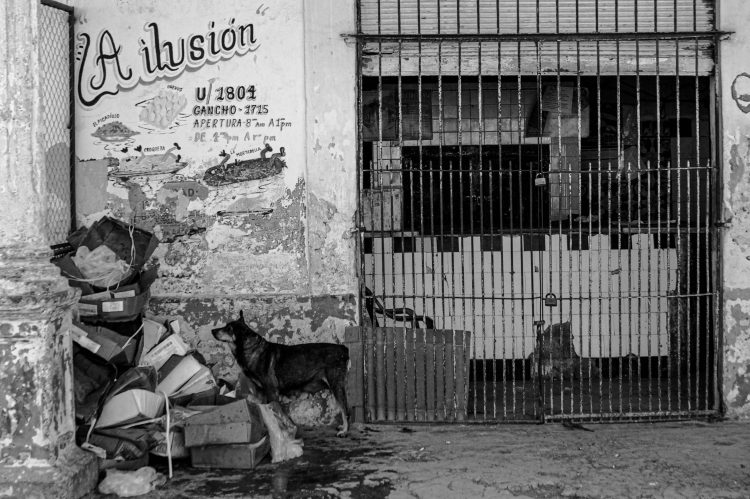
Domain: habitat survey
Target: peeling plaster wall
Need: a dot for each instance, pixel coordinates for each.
(330, 82)
(735, 92)
(288, 262)
(282, 319)
(27, 387)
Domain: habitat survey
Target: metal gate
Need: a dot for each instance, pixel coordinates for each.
(540, 174)
(56, 63)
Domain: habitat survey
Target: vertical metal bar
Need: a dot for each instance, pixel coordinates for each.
(421, 402)
(639, 250)
(620, 161)
(72, 118)
(499, 131)
(462, 215)
(453, 257)
(535, 222)
(562, 167)
(381, 371)
(701, 231)
(680, 242)
(609, 296)
(516, 236)
(480, 203)
(360, 225)
(664, 232)
(599, 190)
(579, 234)
(441, 142)
(715, 185)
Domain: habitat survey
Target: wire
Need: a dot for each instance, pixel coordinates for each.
(169, 440)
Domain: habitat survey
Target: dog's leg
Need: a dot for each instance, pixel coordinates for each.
(337, 381)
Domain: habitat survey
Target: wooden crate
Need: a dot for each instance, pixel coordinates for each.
(406, 374)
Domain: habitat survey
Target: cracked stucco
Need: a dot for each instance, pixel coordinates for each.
(735, 212)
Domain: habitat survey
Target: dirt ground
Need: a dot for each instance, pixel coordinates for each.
(670, 460)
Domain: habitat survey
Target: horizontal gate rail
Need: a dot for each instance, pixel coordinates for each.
(541, 37)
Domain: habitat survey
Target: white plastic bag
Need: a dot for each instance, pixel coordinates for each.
(100, 267)
(131, 483)
(281, 432)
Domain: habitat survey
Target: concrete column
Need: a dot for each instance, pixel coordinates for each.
(734, 86)
(38, 456)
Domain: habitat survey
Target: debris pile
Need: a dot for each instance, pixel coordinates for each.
(141, 392)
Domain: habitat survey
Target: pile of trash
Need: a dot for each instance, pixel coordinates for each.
(141, 393)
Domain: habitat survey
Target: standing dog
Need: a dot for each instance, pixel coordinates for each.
(277, 369)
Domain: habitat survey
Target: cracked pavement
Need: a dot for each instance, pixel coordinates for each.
(669, 460)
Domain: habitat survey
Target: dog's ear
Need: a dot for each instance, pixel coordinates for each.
(242, 316)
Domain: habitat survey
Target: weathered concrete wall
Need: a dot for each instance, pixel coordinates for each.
(281, 318)
(330, 88)
(281, 248)
(38, 457)
(735, 92)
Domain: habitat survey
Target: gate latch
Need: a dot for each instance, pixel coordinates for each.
(550, 300)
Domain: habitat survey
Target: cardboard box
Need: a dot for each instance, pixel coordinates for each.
(129, 407)
(177, 438)
(238, 456)
(205, 398)
(237, 423)
(105, 343)
(180, 375)
(161, 353)
(153, 332)
(135, 281)
(112, 309)
(130, 291)
(200, 382)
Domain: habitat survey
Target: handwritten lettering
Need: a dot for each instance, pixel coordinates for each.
(102, 70)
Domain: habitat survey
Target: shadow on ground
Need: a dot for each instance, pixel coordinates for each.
(330, 467)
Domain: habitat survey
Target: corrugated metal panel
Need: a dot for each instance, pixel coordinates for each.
(603, 57)
(521, 16)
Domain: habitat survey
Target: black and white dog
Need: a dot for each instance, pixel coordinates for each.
(282, 369)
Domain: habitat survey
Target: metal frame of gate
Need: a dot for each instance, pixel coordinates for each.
(551, 190)
(56, 25)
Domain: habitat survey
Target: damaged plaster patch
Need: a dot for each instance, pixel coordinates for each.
(219, 235)
(282, 319)
(244, 253)
(737, 357)
(332, 248)
(736, 239)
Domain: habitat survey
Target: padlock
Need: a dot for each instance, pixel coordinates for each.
(550, 300)
(540, 180)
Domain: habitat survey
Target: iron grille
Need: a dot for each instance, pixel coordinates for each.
(540, 174)
(55, 29)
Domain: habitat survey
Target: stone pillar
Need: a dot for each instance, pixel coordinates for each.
(733, 78)
(38, 455)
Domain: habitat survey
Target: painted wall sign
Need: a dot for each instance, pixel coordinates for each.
(741, 92)
(203, 103)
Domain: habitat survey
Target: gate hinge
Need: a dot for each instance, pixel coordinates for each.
(721, 224)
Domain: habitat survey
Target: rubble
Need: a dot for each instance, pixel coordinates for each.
(140, 389)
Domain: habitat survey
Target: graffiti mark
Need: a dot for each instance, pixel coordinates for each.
(741, 92)
(114, 131)
(242, 171)
(149, 164)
